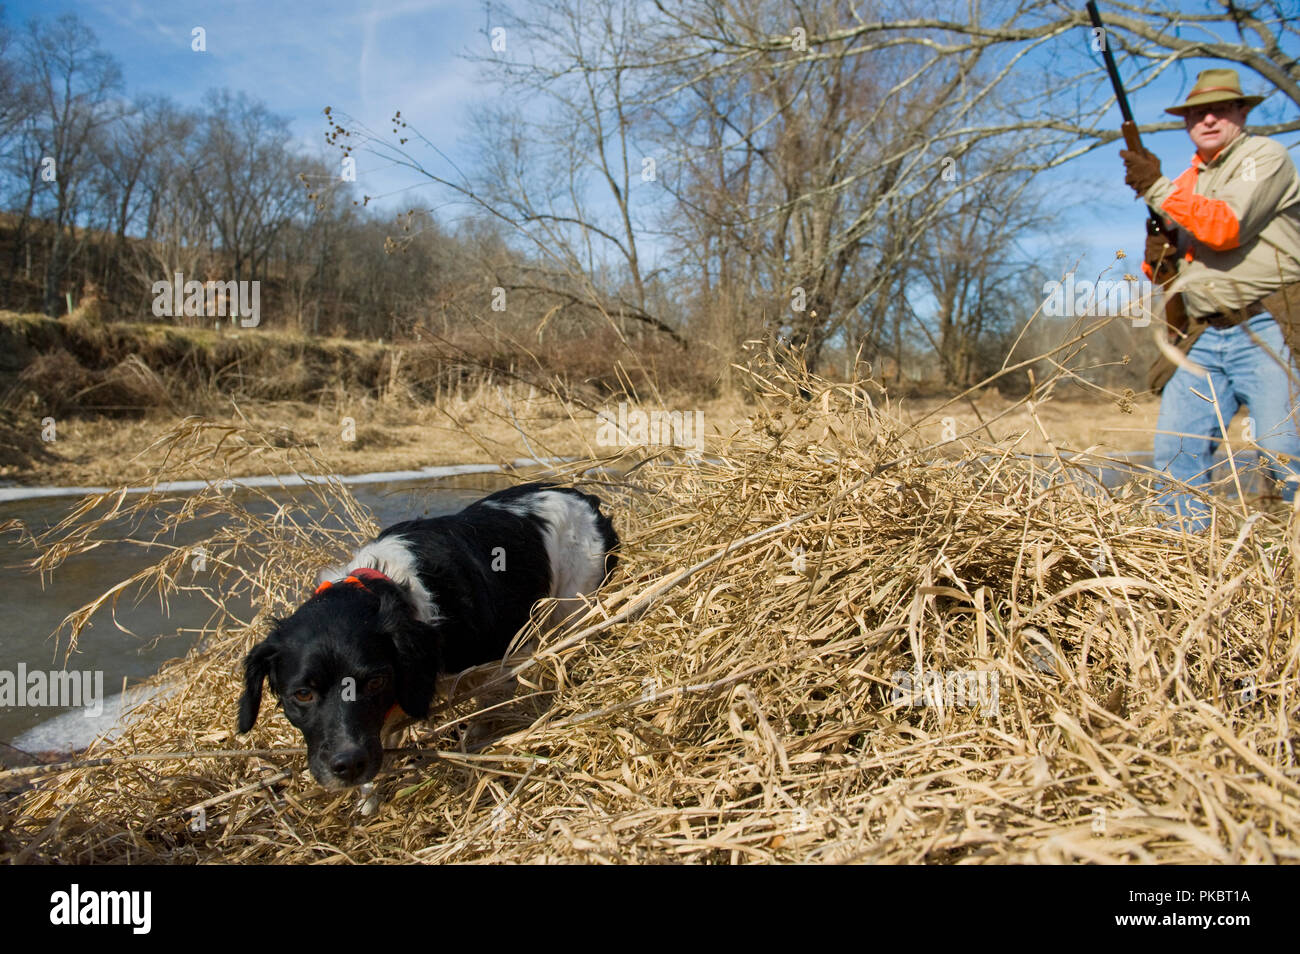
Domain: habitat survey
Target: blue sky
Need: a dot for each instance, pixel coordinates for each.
(367, 59)
(371, 58)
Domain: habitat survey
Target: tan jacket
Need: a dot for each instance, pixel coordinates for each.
(1240, 218)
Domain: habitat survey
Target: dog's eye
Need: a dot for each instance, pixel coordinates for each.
(376, 683)
(304, 695)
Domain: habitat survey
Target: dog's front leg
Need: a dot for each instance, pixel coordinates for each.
(370, 800)
(390, 736)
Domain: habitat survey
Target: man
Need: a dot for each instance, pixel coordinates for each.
(1236, 219)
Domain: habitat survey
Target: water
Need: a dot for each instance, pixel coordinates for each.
(32, 609)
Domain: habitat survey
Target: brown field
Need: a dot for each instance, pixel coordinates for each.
(485, 427)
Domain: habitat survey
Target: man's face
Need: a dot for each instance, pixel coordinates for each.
(1214, 125)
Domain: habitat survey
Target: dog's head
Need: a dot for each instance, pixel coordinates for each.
(338, 666)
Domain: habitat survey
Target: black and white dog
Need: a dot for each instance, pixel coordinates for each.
(426, 597)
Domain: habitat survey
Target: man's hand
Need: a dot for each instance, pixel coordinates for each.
(1141, 169)
(1158, 250)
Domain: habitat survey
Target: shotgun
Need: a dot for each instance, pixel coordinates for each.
(1167, 271)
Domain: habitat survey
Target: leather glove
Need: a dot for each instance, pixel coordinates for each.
(1157, 250)
(1141, 169)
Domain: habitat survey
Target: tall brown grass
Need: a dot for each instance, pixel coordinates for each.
(736, 695)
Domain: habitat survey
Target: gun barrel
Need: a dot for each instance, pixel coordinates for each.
(1111, 68)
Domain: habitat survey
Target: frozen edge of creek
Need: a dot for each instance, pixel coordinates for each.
(75, 730)
(8, 494)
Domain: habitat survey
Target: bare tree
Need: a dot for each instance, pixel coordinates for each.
(978, 85)
(75, 82)
(129, 154)
(16, 102)
(1068, 101)
(244, 178)
(972, 271)
(176, 233)
(822, 149)
(564, 171)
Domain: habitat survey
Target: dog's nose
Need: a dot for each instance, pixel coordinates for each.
(348, 764)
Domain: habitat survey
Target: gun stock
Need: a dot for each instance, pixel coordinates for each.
(1175, 315)
(1167, 271)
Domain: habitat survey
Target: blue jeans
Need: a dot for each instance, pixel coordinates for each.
(1241, 371)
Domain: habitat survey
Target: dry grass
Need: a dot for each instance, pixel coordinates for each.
(479, 424)
(106, 392)
(733, 696)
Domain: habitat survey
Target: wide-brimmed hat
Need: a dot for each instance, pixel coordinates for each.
(1215, 86)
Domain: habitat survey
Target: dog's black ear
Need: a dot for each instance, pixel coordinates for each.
(257, 667)
(419, 652)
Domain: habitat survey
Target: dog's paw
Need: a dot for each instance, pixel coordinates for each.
(369, 803)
